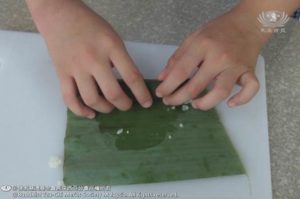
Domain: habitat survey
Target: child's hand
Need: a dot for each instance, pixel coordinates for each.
(84, 48)
(223, 52)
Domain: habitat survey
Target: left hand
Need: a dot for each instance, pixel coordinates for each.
(223, 52)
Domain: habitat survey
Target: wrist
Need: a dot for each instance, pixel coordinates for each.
(245, 19)
(248, 11)
(259, 6)
(51, 15)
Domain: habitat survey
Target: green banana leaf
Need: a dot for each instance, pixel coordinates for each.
(147, 145)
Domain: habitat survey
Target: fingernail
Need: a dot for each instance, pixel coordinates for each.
(158, 94)
(91, 116)
(147, 104)
(194, 105)
(165, 102)
(232, 104)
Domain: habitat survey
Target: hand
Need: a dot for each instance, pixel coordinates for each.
(223, 52)
(84, 48)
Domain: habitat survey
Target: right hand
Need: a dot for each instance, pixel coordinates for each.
(84, 48)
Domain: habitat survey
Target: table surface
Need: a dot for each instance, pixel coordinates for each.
(168, 22)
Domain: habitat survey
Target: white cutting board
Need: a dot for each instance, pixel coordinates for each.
(33, 121)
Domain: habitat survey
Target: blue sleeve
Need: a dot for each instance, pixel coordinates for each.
(297, 14)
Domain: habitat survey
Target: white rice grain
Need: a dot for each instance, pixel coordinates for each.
(185, 107)
(120, 131)
(181, 125)
(54, 162)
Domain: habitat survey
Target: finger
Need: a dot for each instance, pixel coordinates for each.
(71, 100)
(89, 93)
(222, 88)
(178, 52)
(250, 87)
(110, 87)
(193, 88)
(132, 77)
(182, 69)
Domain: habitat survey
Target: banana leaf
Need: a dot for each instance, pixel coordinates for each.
(147, 145)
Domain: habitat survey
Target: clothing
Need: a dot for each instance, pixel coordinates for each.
(297, 14)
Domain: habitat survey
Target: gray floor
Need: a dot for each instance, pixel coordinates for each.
(169, 21)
